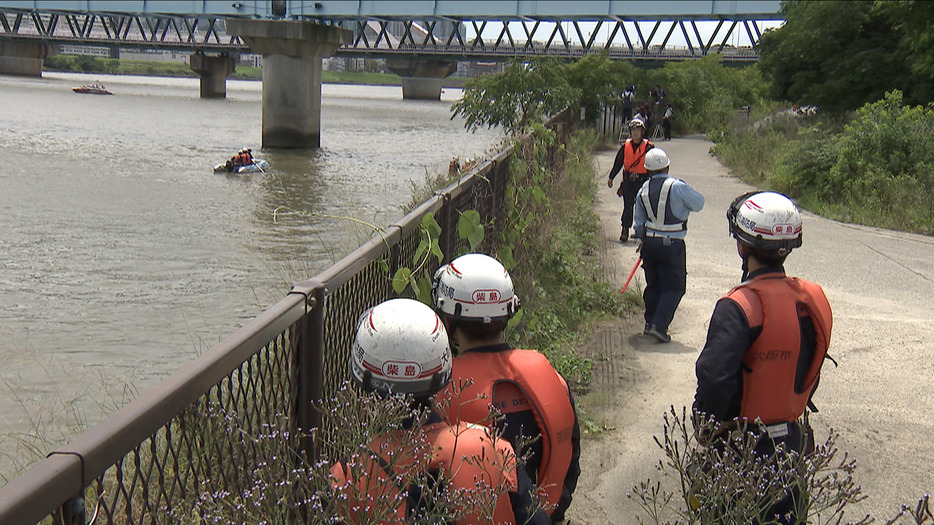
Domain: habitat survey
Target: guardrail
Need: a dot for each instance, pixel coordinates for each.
(150, 460)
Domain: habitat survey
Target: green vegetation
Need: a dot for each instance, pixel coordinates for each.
(549, 245)
(705, 93)
(841, 55)
(874, 167)
(524, 94)
(113, 66)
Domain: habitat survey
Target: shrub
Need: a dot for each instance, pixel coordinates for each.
(885, 169)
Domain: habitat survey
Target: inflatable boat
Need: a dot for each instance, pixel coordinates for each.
(258, 165)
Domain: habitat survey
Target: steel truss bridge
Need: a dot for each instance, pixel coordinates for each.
(456, 29)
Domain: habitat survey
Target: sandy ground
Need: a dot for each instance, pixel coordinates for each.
(880, 398)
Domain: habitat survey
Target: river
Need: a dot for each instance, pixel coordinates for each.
(124, 256)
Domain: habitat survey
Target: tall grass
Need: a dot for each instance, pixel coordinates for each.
(549, 246)
(874, 167)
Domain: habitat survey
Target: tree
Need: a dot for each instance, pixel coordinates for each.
(600, 81)
(706, 94)
(526, 92)
(914, 21)
(841, 55)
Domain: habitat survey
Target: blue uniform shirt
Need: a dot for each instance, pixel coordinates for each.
(682, 200)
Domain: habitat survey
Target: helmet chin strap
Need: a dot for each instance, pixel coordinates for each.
(449, 327)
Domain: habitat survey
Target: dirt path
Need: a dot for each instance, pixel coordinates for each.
(880, 398)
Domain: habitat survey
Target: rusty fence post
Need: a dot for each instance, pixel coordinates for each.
(310, 362)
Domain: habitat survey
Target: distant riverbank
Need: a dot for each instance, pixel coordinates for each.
(116, 66)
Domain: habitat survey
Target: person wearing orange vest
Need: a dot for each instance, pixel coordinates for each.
(631, 160)
(517, 391)
(401, 348)
(766, 340)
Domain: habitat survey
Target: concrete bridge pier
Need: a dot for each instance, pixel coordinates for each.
(22, 58)
(292, 52)
(213, 71)
(421, 79)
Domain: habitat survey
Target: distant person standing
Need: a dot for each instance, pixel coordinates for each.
(663, 204)
(658, 94)
(666, 121)
(631, 160)
(629, 96)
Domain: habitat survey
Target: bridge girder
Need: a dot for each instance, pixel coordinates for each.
(439, 36)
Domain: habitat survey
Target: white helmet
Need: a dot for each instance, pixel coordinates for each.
(656, 159)
(765, 220)
(401, 347)
(474, 287)
(636, 123)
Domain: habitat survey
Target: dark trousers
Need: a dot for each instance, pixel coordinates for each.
(627, 115)
(800, 440)
(630, 189)
(666, 126)
(665, 265)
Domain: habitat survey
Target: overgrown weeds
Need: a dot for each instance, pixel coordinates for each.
(726, 479)
(549, 246)
(373, 455)
(875, 167)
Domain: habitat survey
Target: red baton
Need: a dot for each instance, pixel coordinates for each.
(633, 272)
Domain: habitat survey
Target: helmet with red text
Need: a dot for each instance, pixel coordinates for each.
(474, 287)
(401, 347)
(765, 220)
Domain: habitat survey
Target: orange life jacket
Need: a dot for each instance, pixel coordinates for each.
(547, 392)
(776, 302)
(634, 157)
(465, 454)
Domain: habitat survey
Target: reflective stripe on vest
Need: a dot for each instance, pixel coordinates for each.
(667, 222)
(546, 391)
(770, 364)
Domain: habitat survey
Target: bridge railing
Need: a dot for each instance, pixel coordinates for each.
(154, 459)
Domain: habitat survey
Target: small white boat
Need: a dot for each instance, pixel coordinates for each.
(258, 165)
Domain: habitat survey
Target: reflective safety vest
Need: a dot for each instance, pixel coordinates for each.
(659, 217)
(546, 391)
(465, 455)
(777, 303)
(634, 157)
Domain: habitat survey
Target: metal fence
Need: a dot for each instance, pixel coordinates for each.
(148, 462)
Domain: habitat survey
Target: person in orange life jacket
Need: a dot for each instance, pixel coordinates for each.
(401, 348)
(663, 204)
(515, 390)
(631, 160)
(244, 157)
(767, 338)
